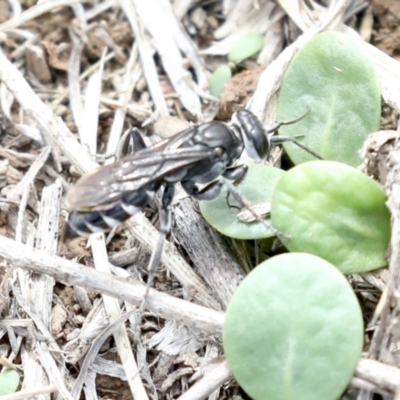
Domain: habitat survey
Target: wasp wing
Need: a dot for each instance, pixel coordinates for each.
(106, 185)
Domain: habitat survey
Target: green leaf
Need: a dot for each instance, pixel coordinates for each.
(257, 188)
(218, 80)
(9, 381)
(334, 211)
(293, 330)
(337, 82)
(246, 46)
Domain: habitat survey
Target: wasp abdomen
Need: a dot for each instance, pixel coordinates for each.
(84, 223)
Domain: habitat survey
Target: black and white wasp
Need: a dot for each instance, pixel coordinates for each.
(200, 155)
(202, 158)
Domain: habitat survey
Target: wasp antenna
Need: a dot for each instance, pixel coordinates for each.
(293, 121)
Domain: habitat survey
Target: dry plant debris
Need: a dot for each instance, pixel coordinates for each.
(73, 77)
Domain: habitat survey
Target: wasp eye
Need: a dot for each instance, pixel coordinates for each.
(252, 131)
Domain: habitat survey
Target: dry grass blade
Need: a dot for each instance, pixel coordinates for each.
(138, 391)
(132, 75)
(88, 125)
(211, 381)
(120, 334)
(169, 42)
(35, 12)
(146, 57)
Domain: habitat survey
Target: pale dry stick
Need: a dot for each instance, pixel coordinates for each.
(386, 377)
(42, 285)
(74, 66)
(170, 42)
(39, 288)
(389, 73)
(82, 76)
(256, 21)
(210, 254)
(234, 19)
(24, 187)
(366, 388)
(102, 366)
(16, 8)
(384, 340)
(71, 273)
(146, 56)
(30, 394)
(181, 7)
(301, 13)
(211, 381)
(194, 287)
(28, 38)
(36, 11)
(138, 111)
(99, 8)
(274, 38)
(52, 370)
(46, 240)
(89, 124)
(120, 334)
(42, 348)
(132, 75)
(79, 12)
(93, 352)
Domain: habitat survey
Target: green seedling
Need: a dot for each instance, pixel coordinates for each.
(9, 381)
(218, 80)
(336, 80)
(246, 47)
(333, 211)
(293, 330)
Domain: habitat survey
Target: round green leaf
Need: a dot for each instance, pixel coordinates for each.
(246, 46)
(293, 330)
(9, 381)
(257, 188)
(337, 82)
(218, 80)
(334, 211)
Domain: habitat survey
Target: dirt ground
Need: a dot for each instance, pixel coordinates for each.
(42, 48)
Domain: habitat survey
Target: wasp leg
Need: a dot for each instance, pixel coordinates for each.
(131, 141)
(281, 139)
(235, 174)
(244, 203)
(208, 192)
(155, 260)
